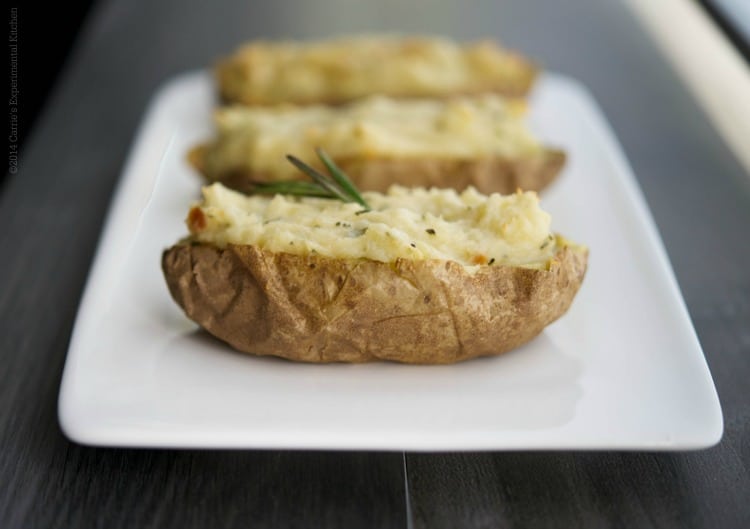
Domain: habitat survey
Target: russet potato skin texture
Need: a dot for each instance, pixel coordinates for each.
(318, 309)
(487, 175)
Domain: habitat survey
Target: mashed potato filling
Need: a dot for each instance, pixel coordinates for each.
(257, 139)
(470, 228)
(350, 67)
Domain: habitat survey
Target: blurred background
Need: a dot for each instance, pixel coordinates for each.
(50, 33)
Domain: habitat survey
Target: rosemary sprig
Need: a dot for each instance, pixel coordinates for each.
(341, 179)
(335, 185)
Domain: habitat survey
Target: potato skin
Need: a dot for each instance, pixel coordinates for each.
(487, 175)
(319, 309)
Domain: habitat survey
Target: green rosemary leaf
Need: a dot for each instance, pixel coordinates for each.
(341, 179)
(292, 187)
(319, 178)
(334, 186)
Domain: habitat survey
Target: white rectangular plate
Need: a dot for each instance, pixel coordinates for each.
(621, 370)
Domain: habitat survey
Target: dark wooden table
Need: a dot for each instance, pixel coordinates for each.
(51, 214)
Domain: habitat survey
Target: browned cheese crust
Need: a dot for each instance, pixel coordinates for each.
(487, 175)
(319, 309)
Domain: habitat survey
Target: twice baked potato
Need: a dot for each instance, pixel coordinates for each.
(479, 141)
(343, 69)
(424, 276)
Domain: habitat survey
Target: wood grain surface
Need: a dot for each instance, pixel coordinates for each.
(51, 214)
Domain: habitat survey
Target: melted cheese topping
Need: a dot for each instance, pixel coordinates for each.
(346, 68)
(257, 139)
(469, 228)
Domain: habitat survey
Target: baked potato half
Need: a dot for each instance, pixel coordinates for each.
(343, 69)
(480, 141)
(424, 277)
